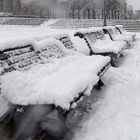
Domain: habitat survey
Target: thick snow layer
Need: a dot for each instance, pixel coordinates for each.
(124, 32)
(116, 112)
(65, 78)
(80, 44)
(117, 36)
(43, 44)
(89, 30)
(12, 41)
(125, 37)
(49, 23)
(106, 45)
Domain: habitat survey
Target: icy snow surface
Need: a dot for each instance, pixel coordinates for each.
(116, 113)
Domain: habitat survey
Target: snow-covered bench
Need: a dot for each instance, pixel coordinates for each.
(46, 75)
(62, 37)
(100, 44)
(65, 39)
(116, 36)
(122, 31)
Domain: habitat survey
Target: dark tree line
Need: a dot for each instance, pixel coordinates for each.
(76, 9)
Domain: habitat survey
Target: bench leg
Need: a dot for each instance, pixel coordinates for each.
(99, 85)
(114, 61)
(121, 55)
(29, 122)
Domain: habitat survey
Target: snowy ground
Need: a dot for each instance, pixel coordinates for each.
(115, 114)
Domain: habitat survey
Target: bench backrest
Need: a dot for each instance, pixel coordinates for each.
(111, 31)
(93, 36)
(65, 39)
(22, 58)
(120, 28)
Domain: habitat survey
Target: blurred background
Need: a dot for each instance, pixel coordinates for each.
(74, 9)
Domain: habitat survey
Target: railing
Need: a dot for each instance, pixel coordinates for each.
(130, 25)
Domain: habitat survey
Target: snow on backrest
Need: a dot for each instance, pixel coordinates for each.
(22, 58)
(50, 49)
(65, 39)
(93, 36)
(120, 28)
(51, 52)
(17, 59)
(112, 30)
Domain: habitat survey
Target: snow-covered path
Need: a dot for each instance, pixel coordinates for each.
(116, 112)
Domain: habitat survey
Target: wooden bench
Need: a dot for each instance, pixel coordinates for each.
(116, 35)
(22, 58)
(122, 30)
(98, 35)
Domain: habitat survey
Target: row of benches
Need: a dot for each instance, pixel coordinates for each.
(57, 49)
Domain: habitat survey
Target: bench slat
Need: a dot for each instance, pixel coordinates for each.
(67, 42)
(19, 51)
(23, 58)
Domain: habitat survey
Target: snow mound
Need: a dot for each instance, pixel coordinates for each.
(104, 46)
(15, 42)
(45, 43)
(9, 43)
(3, 106)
